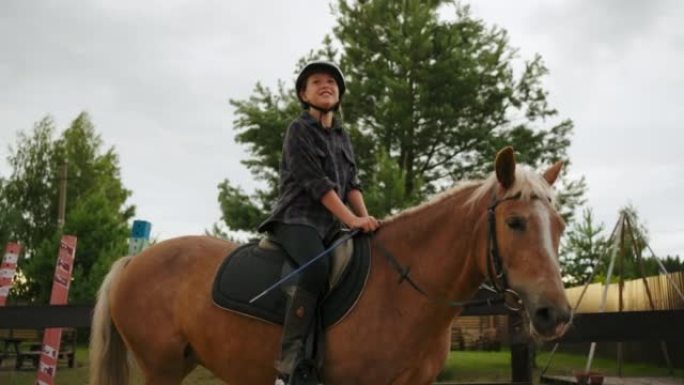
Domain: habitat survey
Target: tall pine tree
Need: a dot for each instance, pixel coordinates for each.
(584, 248)
(430, 101)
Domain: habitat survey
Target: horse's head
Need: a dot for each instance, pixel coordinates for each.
(524, 231)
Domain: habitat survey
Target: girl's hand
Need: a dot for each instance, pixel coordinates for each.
(367, 224)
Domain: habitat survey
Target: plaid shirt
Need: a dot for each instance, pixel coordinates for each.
(314, 161)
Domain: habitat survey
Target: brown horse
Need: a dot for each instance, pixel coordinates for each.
(158, 304)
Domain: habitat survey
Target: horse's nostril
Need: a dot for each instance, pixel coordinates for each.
(544, 315)
(548, 318)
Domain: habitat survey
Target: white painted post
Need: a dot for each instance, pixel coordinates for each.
(52, 337)
(7, 270)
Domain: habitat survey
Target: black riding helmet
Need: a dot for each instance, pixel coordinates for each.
(318, 66)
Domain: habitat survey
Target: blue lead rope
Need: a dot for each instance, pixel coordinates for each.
(304, 266)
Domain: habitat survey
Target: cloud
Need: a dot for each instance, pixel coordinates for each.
(156, 77)
(601, 25)
(615, 70)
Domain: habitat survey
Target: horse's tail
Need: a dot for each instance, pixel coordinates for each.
(108, 353)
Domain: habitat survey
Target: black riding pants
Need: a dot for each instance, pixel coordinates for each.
(303, 243)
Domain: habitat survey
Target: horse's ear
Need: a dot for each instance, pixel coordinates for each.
(551, 175)
(505, 167)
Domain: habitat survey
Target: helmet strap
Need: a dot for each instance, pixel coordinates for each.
(323, 111)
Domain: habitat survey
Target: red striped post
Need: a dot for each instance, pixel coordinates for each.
(60, 291)
(7, 270)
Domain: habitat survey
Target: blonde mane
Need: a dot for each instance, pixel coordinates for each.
(528, 184)
(444, 195)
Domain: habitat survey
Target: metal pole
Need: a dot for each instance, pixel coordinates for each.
(521, 350)
(62, 195)
(579, 300)
(616, 239)
(621, 285)
(667, 275)
(642, 269)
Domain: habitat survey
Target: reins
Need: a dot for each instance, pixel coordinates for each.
(495, 271)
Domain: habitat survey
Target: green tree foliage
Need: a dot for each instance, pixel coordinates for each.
(96, 210)
(436, 96)
(243, 214)
(583, 247)
(673, 263)
(8, 216)
(30, 191)
(442, 96)
(260, 122)
(386, 189)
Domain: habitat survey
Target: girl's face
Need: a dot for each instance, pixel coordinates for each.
(321, 90)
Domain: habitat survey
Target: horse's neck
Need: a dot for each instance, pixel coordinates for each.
(439, 242)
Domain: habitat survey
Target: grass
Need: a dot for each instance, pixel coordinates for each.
(477, 366)
(460, 366)
(79, 374)
(567, 364)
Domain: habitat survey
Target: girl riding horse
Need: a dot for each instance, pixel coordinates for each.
(318, 177)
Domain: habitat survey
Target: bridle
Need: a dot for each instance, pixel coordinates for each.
(495, 270)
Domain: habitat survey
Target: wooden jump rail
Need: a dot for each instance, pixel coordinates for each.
(625, 326)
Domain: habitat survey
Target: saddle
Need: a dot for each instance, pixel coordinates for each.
(255, 266)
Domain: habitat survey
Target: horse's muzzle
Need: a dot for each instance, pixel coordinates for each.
(550, 322)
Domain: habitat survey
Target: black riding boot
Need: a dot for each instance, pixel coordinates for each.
(299, 322)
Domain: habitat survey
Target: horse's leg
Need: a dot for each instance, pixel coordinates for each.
(424, 375)
(237, 349)
(162, 306)
(430, 364)
(163, 358)
(143, 310)
(167, 366)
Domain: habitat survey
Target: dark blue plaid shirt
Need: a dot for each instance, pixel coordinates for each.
(314, 161)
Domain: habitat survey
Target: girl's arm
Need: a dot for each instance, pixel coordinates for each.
(334, 204)
(355, 199)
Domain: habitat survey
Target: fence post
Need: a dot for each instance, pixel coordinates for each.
(140, 237)
(7, 270)
(52, 337)
(521, 350)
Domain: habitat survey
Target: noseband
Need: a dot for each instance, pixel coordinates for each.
(495, 269)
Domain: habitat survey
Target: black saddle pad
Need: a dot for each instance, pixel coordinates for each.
(249, 270)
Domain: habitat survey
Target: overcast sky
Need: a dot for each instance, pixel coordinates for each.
(156, 77)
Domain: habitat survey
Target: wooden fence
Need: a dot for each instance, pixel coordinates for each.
(634, 294)
(79, 316)
(625, 326)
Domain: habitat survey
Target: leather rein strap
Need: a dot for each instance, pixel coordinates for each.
(495, 271)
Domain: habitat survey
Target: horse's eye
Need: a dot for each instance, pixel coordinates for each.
(516, 223)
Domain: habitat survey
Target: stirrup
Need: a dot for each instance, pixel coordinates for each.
(305, 373)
